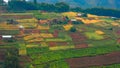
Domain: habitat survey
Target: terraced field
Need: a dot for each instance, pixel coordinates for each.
(60, 40)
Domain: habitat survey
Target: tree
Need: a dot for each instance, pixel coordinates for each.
(77, 9)
(11, 59)
(46, 7)
(73, 29)
(2, 2)
(35, 1)
(62, 7)
(20, 6)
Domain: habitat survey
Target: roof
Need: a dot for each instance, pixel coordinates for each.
(7, 36)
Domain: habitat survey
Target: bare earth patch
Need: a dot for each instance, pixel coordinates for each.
(100, 60)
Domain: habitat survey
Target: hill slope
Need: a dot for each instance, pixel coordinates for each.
(115, 4)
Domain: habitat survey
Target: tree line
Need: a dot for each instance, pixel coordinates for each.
(22, 5)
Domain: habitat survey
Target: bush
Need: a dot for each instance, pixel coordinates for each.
(77, 22)
(73, 29)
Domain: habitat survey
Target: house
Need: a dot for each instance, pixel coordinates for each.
(7, 36)
(73, 20)
(79, 14)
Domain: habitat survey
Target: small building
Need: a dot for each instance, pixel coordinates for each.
(79, 14)
(73, 20)
(7, 36)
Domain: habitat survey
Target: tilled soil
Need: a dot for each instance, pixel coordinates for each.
(100, 60)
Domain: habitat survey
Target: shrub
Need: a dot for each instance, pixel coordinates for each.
(73, 29)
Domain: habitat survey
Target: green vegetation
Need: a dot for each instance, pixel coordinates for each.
(55, 64)
(58, 7)
(108, 66)
(73, 29)
(50, 37)
(94, 36)
(38, 15)
(65, 47)
(37, 50)
(63, 54)
(10, 32)
(11, 59)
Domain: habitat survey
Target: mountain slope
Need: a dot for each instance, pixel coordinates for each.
(114, 4)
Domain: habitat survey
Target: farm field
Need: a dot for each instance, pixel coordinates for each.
(59, 40)
(94, 61)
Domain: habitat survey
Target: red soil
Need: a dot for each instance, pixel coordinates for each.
(79, 40)
(2, 55)
(27, 31)
(81, 46)
(100, 60)
(24, 60)
(17, 16)
(53, 44)
(55, 34)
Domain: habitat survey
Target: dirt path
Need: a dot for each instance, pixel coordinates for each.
(86, 62)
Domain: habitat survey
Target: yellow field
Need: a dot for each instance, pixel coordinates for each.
(36, 40)
(62, 47)
(33, 20)
(89, 21)
(31, 36)
(43, 27)
(99, 32)
(22, 52)
(46, 35)
(115, 24)
(67, 27)
(93, 16)
(70, 14)
(30, 46)
(8, 26)
(44, 44)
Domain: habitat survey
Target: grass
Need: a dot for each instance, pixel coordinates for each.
(47, 15)
(108, 66)
(106, 42)
(107, 20)
(9, 32)
(94, 36)
(55, 64)
(37, 50)
(59, 64)
(63, 54)
(62, 47)
(55, 40)
(16, 14)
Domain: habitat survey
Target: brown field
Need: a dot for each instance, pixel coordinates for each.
(17, 16)
(2, 55)
(86, 62)
(79, 40)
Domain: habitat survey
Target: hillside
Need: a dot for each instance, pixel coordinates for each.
(51, 40)
(114, 4)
